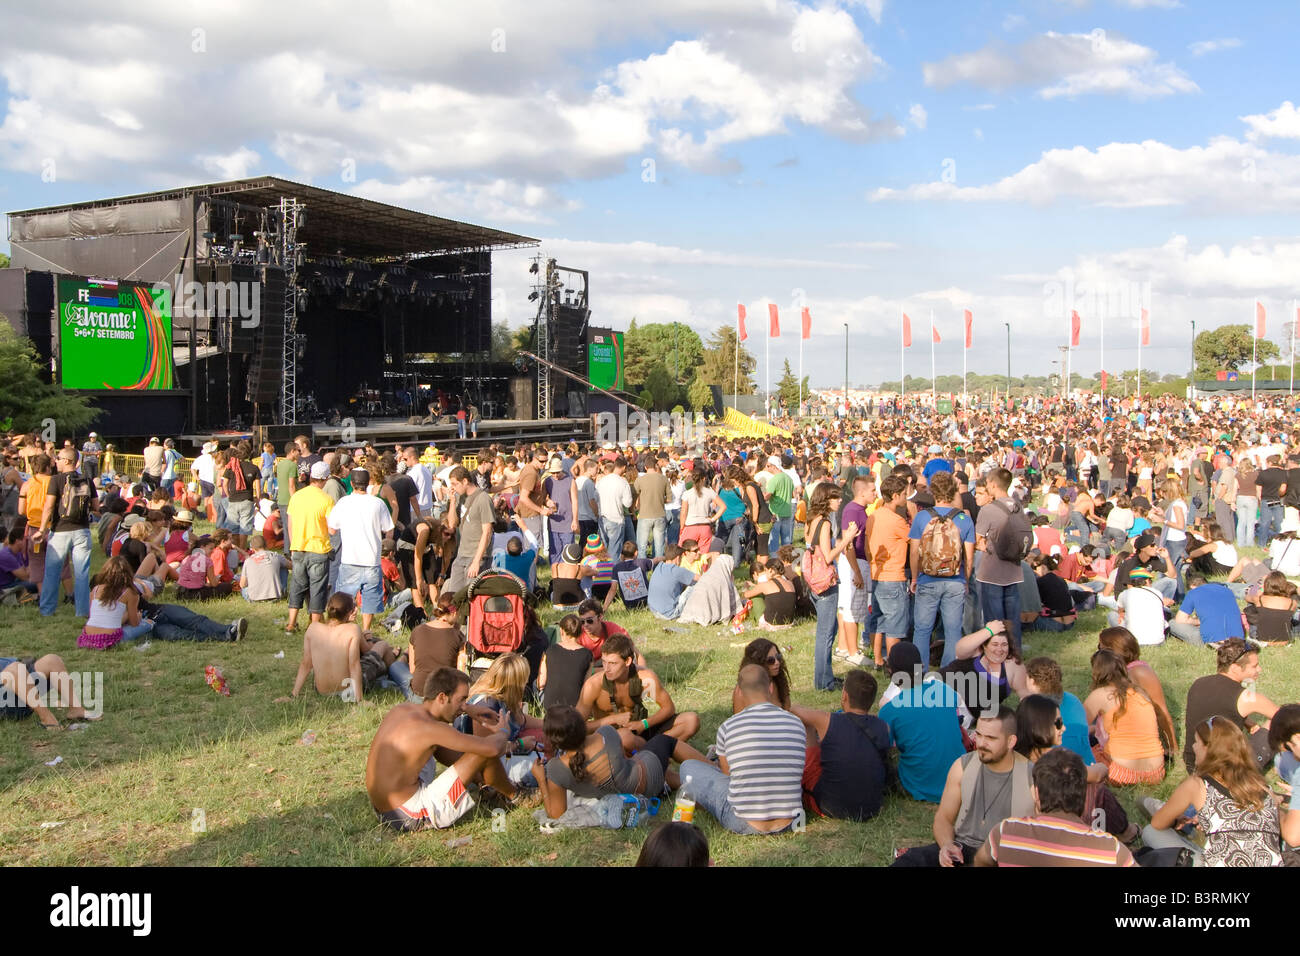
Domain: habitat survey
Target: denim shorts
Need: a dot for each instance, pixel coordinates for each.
(239, 517)
(369, 581)
(893, 603)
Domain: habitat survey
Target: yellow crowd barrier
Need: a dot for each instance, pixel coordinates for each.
(745, 426)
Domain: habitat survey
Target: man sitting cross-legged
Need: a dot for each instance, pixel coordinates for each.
(402, 778)
(345, 661)
(854, 752)
(615, 698)
(756, 787)
(983, 789)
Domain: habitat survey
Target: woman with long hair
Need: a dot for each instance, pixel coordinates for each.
(733, 523)
(1175, 523)
(1233, 805)
(818, 537)
(767, 655)
(1213, 555)
(700, 510)
(114, 607)
(998, 673)
(1120, 641)
(196, 576)
(1128, 728)
(590, 763)
(502, 689)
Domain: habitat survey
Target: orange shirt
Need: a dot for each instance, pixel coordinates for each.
(1136, 735)
(888, 546)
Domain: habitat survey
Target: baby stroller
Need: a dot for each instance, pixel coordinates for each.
(494, 618)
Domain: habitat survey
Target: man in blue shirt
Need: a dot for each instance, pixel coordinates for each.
(670, 585)
(936, 464)
(923, 724)
(937, 595)
(1209, 614)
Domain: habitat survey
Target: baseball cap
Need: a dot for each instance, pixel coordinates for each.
(154, 441)
(320, 470)
(773, 460)
(1144, 540)
(93, 435)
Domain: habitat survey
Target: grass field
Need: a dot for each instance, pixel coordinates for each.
(170, 754)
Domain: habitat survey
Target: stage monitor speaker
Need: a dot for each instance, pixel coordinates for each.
(719, 406)
(577, 404)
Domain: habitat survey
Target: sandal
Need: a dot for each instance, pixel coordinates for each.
(57, 725)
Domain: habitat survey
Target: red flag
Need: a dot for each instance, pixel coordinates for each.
(740, 320)
(1074, 328)
(1259, 320)
(970, 322)
(807, 323)
(907, 332)
(1103, 380)
(773, 322)
(934, 334)
(1146, 327)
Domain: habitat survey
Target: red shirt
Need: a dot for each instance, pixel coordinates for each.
(595, 644)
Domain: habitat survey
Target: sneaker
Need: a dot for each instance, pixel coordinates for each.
(835, 687)
(857, 660)
(840, 654)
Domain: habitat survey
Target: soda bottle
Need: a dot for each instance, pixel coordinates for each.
(684, 806)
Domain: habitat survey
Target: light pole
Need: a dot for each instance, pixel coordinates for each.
(846, 370)
(1008, 325)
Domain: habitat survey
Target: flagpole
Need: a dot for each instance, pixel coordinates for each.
(965, 347)
(1291, 387)
(1254, 352)
(1102, 350)
(768, 387)
(801, 365)
(902, 365)
(735, 381)
(1141, 332)
(934, 395)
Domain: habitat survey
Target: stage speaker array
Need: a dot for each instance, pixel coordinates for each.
(266, 374)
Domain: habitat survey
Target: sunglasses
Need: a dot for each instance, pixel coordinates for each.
(590, 620)
(774, 659)
(1060, 724)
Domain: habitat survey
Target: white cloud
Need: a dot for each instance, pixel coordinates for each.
(917, 116)
(1281, 123)
(234, 165)
(1013, 21)
(1226, 174)
(1072, 64)
(1202, 47)
(980, 107)
(867, 246)
(497, 200)
(874, 8)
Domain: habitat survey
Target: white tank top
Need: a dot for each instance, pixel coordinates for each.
(106, 615)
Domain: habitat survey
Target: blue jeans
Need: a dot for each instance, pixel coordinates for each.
(672, 526)
(710, 788)
(131, 632)
(611, 532)
(1270, 523)
(1079, 524)
(1002, 602)
(60, 546)
(559, 539)
(1050, 624)
(1245, 521)
(219, 509)
(460, 427)
(782, 533)
(399, 678)
(172, 622)
(935, 598)
(827, 625)
(735, 533)
(648, 528)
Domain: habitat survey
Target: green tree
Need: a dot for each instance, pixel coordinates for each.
(788, 387)
(699, 394)
(507, 342)
(664, 390)
(719, 367)
(673, 346)
(27, 399)
(1228, 348)
(4, 261)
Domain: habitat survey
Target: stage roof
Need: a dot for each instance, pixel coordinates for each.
(335, 223)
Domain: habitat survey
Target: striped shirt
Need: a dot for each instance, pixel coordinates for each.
(764, 747)
(1054, 840)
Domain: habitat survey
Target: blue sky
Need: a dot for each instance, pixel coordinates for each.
(862, 157)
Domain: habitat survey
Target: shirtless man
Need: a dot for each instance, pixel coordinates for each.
(346, 662)
(402, 776)
(625, 711)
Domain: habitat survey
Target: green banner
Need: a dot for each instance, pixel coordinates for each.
(114, 335)
(605, 361)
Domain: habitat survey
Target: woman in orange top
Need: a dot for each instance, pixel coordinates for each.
(1132, 747)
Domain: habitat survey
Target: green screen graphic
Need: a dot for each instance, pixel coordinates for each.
(605, 361)
(114, 335)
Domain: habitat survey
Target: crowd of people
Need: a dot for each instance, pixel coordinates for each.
(921, 547)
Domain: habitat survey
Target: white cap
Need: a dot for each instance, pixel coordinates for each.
(320, 470)
(773, 460)
(93, 435)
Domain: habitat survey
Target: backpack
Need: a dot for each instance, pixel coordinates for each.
(74, 503)
(941, 547)
(817, 574)
(1016, 539)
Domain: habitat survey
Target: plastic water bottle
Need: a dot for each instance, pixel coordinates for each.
(684, 806)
